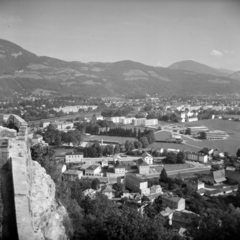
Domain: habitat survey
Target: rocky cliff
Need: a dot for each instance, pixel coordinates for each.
(38, 214)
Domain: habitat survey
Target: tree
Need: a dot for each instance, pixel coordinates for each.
(41, 124)
(163, 176)
(95, 184)
(117, 149)
(181, 156)
(171, 158)
(238, 153)
(144, 142)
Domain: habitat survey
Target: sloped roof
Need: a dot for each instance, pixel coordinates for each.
(173, 199)
(119, 164)
(141, 162)
(146, 154)
(72, 172)
(107, 189)
(93, 167)
(233, 175)
(76, 153)
(219, 175)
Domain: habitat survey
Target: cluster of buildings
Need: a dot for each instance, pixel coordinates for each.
(204, 133)
(134, 121)
(108, 167)
(70, 109)
(60, 125)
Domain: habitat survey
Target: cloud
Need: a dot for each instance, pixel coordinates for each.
(158, 64)
(216, 53)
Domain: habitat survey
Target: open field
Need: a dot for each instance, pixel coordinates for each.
(173, 167)
(231, 127)
(108, 138)
(190, 174)
(227, 145)
(162, 135)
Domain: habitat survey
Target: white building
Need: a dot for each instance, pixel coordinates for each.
(144, 122)
(72, 175)
(198, 157)
(37, 139)
(73, 157)
(147, 158)
(136, 184)
(93, 170)
(64, 125)
(76, 108)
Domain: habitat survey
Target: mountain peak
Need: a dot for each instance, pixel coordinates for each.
(192, 66)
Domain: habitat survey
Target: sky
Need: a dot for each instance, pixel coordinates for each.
(153, 32)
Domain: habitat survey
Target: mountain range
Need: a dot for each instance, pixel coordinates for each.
(24, 72)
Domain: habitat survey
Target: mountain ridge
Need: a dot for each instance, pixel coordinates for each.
(24, 72)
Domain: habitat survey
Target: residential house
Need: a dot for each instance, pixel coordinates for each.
(116, 157)
(222, 191)
(233, 177)
(143, 167)
(63, 125)
(155, 189)
(37, 139)
(93, 170)
(91, 193)
(125, 193)
(147, 158)
(175, 203)
(119, 168)
(108, 191)
(183, 219)
(73, 157)
(104, 163)
(72, 175)
(215, 177)
(165, 216)
(136, 184)
(197, 157)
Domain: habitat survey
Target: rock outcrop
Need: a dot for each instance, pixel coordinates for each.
(7, 133)
(38, 215)
(47, 215)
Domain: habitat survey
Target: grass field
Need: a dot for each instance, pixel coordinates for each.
(191, 174)
(231, 127)
(108, 138)
(173, 167)
(162, 135)
(228, 145)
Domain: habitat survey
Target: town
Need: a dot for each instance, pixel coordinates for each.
(142, 171)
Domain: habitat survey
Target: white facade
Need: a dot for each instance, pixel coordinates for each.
(147, 158)
(144, 122)
(73, 157)
(127, 120)
(93, 170)
(192, 119)
(64, 125)
(197, 157)
(173, 150)
(76, 108)
(45, 124)
(149, 122)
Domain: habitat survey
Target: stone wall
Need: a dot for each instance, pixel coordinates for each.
(38, 215)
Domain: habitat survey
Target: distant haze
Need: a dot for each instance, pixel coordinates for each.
(153, 32)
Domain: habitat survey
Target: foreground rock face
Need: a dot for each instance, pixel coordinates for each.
(7, 133)
(38, 214)
(46, 213)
